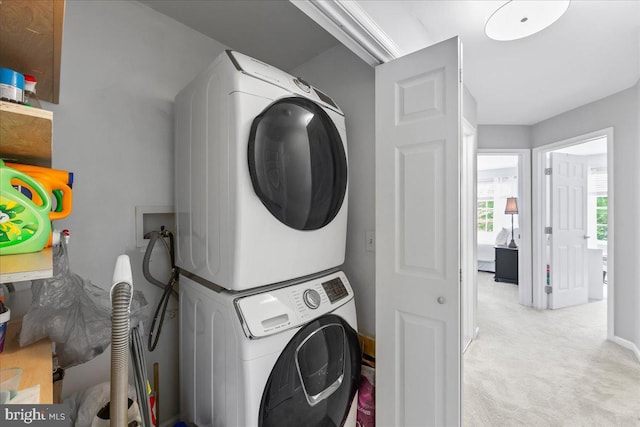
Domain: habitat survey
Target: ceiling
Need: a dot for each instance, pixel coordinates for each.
(589, 148)
(592, 51)
(497, 161)
(273, 31)
(589, 53)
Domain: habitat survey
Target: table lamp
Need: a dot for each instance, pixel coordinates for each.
(512, 209)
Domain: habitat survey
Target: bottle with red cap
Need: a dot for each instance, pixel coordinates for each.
(30, 97)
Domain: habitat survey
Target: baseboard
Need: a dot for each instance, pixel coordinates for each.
(628, 344)
(170, 422)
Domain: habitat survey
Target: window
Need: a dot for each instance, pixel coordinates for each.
(602, 215)
(485, 215)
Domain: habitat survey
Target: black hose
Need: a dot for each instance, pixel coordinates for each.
(161, 309)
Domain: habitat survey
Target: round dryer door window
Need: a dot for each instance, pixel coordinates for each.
(315, 379)
(297, 163)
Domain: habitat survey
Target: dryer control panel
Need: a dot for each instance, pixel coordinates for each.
(276, 310)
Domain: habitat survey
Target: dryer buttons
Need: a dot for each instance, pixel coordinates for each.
(311, 298)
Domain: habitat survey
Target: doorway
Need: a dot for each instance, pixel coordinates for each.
(496, 171)
(596, 148)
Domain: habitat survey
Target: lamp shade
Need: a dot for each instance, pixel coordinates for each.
(512, 206)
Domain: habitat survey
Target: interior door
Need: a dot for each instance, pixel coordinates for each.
(569, 174)
(418, 134)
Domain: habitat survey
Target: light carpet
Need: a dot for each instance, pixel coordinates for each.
(546, 367)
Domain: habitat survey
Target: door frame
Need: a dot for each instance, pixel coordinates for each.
(469, 234)
(525, 290)
(540, 204)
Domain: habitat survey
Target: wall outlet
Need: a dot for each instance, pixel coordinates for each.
(370, 241)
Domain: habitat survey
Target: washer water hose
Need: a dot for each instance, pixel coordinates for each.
(121, 293)
(168, 287)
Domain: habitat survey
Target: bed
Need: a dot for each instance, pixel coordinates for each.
(486, 257)
(486, 250)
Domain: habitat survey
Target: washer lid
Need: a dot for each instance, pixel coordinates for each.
(297, 163)
(277, 310)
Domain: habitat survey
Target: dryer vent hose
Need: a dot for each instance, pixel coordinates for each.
(121, 293)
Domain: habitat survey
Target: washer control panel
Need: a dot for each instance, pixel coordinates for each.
(283, 308)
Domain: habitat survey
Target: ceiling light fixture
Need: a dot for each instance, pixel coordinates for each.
(517, 19)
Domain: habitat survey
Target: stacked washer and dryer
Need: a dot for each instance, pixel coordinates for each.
(268, 333)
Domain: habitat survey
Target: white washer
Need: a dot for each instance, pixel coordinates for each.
(283, 356)
(260, 176)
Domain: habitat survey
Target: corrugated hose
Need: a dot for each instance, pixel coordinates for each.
(121, 293)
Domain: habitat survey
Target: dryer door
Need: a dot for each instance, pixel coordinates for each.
(316, 377)
(297, 163)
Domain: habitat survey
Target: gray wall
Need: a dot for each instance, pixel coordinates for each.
(637, 262)
(350, 82)
(504, 136)
(619, 111)
(122, 65)
(637, 210)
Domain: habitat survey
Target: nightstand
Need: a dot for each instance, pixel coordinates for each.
(506, 264)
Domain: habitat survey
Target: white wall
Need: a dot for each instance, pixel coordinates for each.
(350, 82)
(469, 108)
(504, 136)
(619, 111)
(122, 64)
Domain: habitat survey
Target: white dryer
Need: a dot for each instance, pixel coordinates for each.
(260, 176)
(285, 356)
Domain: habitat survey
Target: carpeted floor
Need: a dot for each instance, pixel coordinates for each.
(546, 368)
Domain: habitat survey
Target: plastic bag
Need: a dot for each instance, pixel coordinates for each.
(366, 398)
(73, 312)
(86, 404)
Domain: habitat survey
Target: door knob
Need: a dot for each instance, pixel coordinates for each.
(441, 300)
(586, 237)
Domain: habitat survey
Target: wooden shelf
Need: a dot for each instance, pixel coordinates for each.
(18, 268)
(25, 134)
(31, 42)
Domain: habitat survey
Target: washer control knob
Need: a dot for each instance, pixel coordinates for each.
(302, 84)
(311, 298)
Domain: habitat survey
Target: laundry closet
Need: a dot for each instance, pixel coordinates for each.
(122, 66)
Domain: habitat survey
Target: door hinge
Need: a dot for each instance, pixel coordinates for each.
(460, 75)
(548, 230)
(548, 290)
(547, 171)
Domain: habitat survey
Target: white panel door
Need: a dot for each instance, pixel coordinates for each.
(418, 137)
(569, 281)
